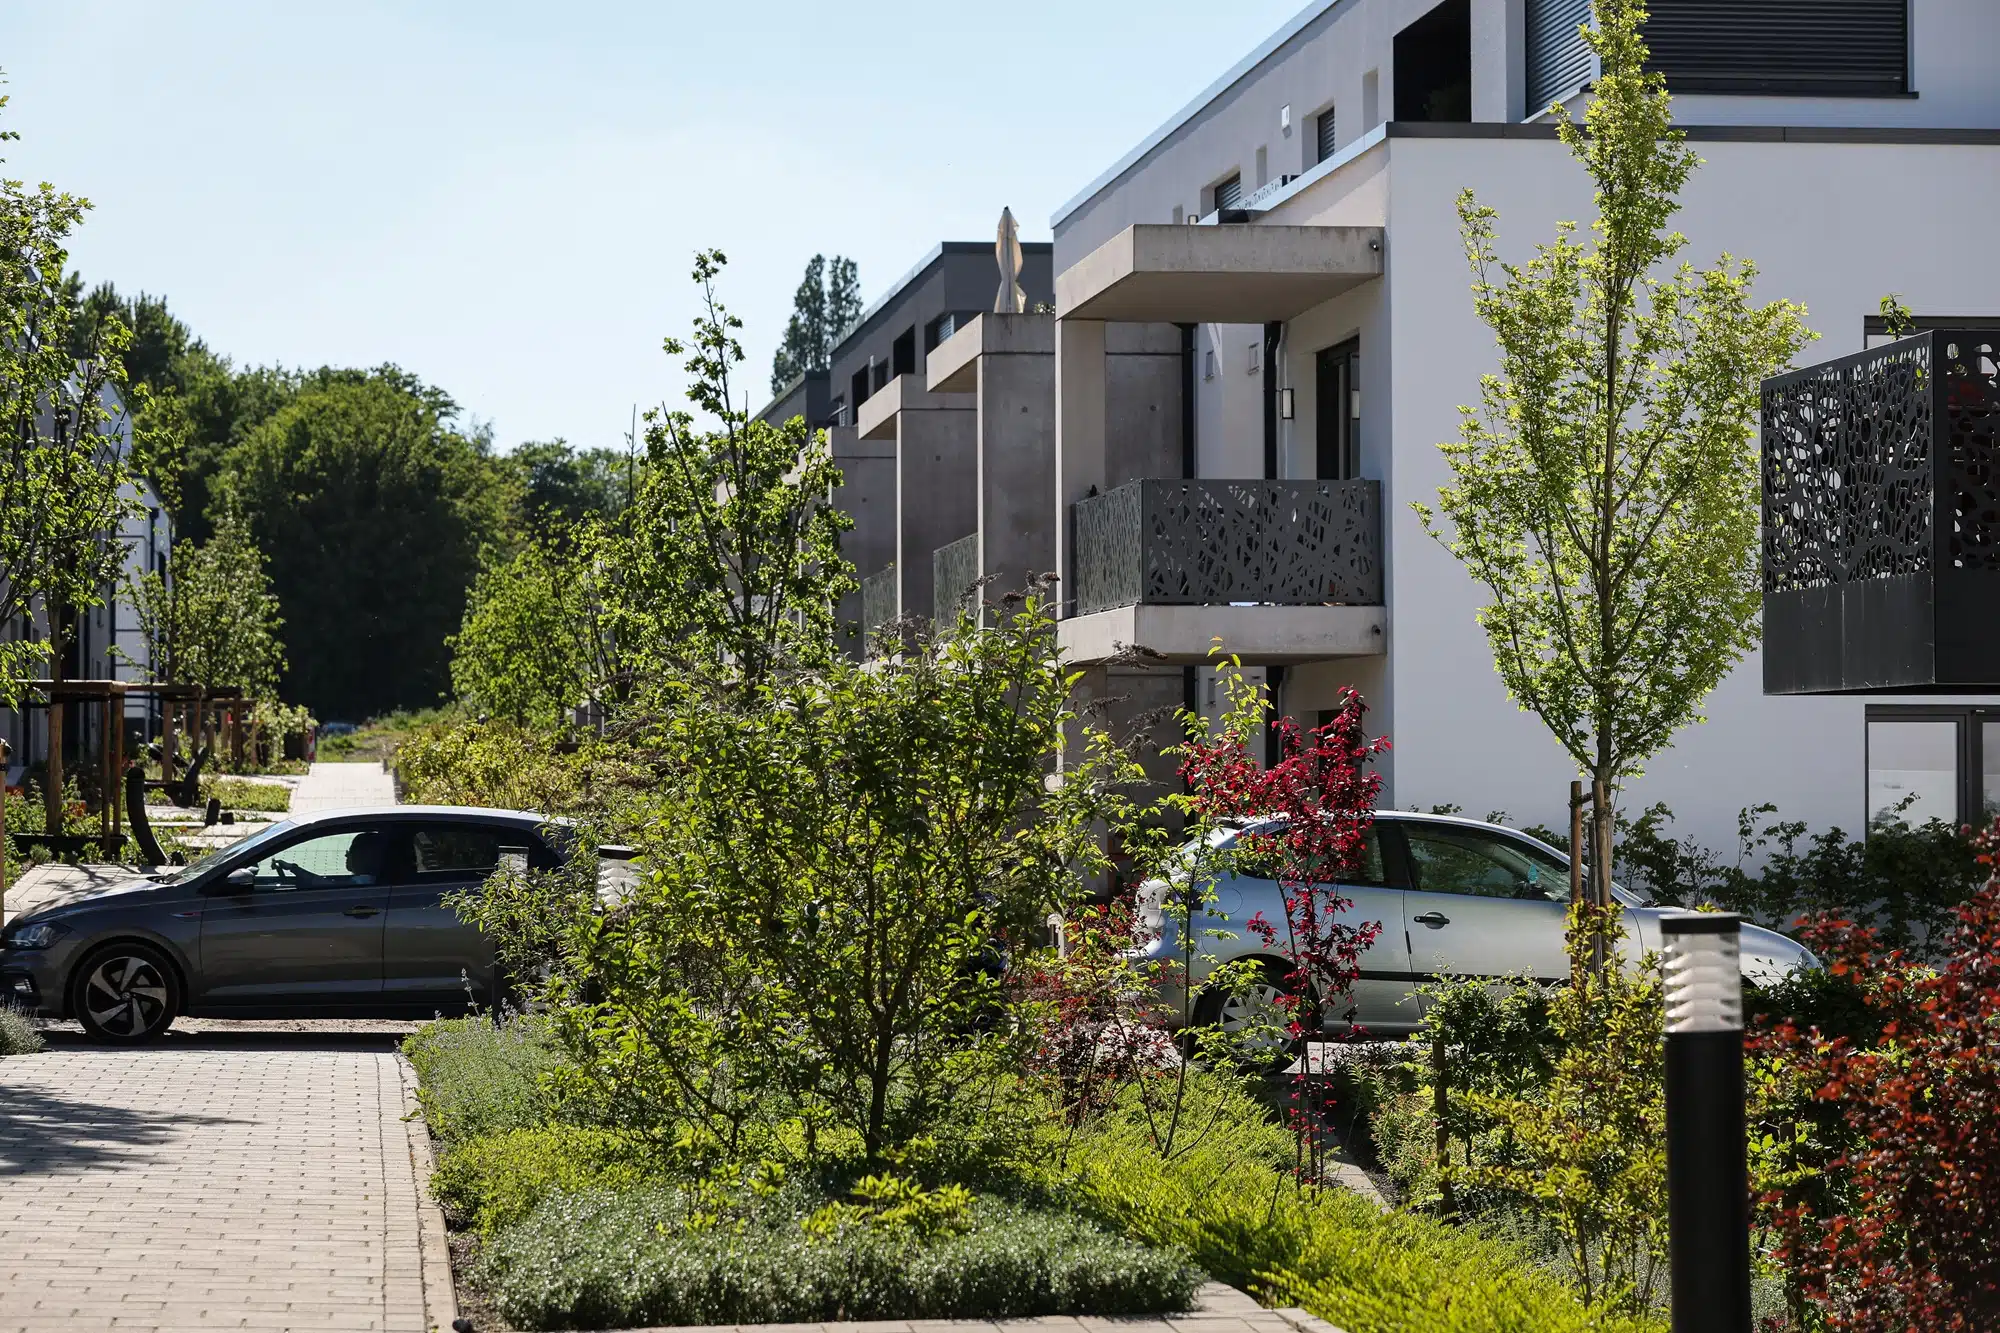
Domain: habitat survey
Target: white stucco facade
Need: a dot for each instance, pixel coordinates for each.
(1837, 200)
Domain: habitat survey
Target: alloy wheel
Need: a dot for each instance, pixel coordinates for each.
(125, 996)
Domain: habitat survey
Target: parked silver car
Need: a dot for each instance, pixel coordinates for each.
(1454, 897)
(335, 914)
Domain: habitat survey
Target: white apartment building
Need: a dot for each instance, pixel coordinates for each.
(1288, 244)
(109, 643)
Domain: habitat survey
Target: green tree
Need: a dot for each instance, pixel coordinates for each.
(732, 553)
(563, 487)
(1606, 489)
(826, 874)
(534, 640)
(827, 301)
(213, 620)
(69, 461)
(373, 512)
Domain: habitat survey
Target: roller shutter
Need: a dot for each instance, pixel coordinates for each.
(1806, 47)
(1557, 58)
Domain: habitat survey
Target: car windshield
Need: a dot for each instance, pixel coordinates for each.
(209, 860)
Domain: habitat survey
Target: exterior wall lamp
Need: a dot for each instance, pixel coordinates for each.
(1708, 1179)
(1285, 404)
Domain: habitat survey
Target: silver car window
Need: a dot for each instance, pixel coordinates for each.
(1264, 863)
(1448, 859)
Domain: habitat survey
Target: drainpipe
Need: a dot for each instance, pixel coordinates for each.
(1190, 465)
(1190, 462)
(1272, 332)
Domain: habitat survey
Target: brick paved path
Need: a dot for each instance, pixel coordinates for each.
(337, 786)
(216, 1182)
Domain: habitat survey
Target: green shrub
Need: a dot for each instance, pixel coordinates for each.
(497, 1179)
(660, 1256)
(477, 1078)
(17, 1033)
(1231, 1203)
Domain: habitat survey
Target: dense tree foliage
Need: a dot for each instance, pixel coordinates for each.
(372, 510)
(213, 620)
(535, 639)
(827, 301)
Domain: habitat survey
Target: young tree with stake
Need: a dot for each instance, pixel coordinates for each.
(1605, 490)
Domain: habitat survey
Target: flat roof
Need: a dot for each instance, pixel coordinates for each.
(1264, 51)
(924, 265)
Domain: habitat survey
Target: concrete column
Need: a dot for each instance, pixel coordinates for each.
(1080, 431)
(1142, 402)
(867, 494)
(1017, 451)
(1499, 60)
(936, 489)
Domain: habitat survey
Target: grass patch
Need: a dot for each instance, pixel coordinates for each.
(662, 1256)
(17, 1033)
(237, 794)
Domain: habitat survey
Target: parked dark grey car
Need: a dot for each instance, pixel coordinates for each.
(335, 914)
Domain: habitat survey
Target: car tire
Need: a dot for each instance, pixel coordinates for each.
(125, 994)
(1230, 1012)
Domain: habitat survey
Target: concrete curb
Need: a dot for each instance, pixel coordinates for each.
(440, 1296)
(1218, 1309)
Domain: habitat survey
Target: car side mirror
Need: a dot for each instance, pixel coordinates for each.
(240, 880)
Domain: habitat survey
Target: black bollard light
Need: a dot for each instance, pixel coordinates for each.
(1708, 1176)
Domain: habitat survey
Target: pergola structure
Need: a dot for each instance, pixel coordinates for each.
(203, 711)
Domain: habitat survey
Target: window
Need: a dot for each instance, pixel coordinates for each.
(1932, 762)
(1448, 859)
(1326, 141)
(350, 858)
(1783, 47)
(1337, 418)
(860, 389)
(456, 851)
(1229, 194)
(1433, 71)
(903, 353)
(1265, 864)
(1875, 329)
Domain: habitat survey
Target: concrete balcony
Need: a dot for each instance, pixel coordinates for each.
(1278, 571)
(1236, 274)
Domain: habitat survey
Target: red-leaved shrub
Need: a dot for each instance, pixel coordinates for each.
(1899, 1229)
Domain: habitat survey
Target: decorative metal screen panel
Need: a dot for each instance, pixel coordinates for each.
(878, 603)
(1209, 543)
(1847, 469)
(954, 569)
(1968, 367)
(1882, 519)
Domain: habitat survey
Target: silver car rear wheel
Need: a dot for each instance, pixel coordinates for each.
(126, 994)
(1255, 1018)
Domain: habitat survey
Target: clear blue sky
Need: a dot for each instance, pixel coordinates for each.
(504, 198)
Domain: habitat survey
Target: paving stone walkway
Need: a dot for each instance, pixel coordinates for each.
(339, 786)
(219, 1181)
(1221, 1310)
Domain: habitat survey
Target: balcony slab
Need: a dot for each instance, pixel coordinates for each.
(953, 366)
(905, 393)
(1237, 274)
(1260, 635)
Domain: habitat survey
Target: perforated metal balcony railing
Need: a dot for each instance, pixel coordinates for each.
(954, 569)
(1218, 542)
(1881, 477)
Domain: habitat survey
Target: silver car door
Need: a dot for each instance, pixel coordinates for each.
(1381, 999)
(1482, 904)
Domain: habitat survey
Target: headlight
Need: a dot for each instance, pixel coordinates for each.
(38, 936)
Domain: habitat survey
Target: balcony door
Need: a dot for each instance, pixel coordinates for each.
(1337, 430)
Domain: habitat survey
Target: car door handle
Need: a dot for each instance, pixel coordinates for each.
(1432, 919)
(362, 911)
